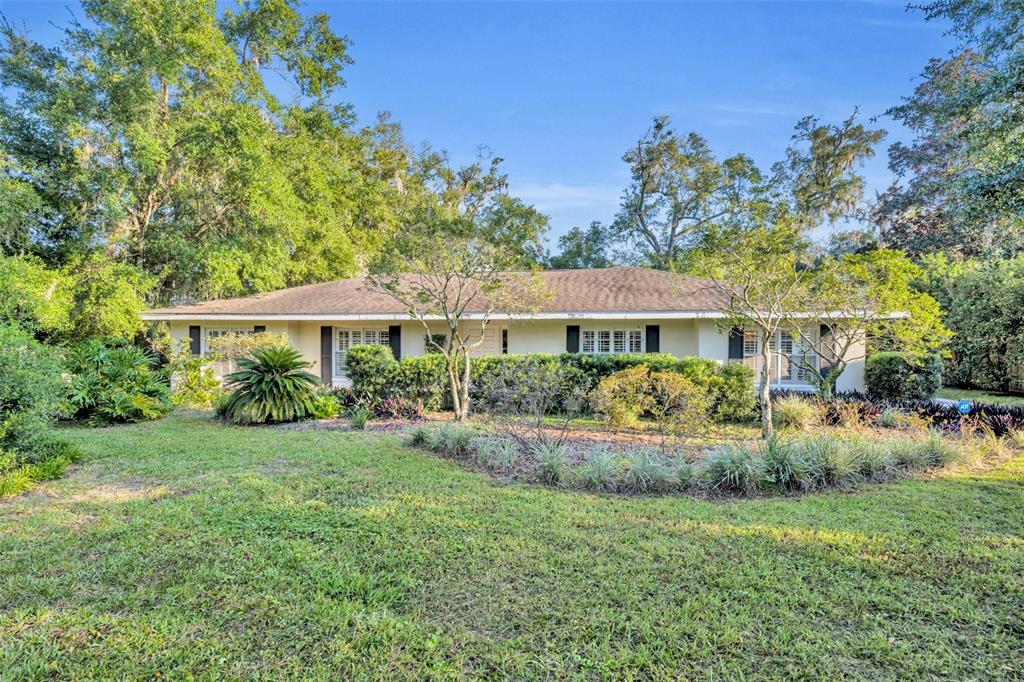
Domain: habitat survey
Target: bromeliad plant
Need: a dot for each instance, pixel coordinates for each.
(271, 386)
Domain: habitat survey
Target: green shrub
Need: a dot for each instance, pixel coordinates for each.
(358, 416)
(32, 389)
(114, 383)
(599, 470)
(271, 386)
(421, 435)
(325, 406)
(795, 413)
(676, 403)
(733, 399)
(732, 468)
(376, 376)
(195, 384)
(552, 462)
(900, 377)
(621, 398)
(646, 471)
(449, 439)
(685, 472)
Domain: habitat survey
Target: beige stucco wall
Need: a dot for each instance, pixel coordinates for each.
(678, 337)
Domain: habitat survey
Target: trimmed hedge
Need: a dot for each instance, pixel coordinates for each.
(897, 376)
(378, 378)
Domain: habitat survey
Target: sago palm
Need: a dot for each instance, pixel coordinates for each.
(271, 386)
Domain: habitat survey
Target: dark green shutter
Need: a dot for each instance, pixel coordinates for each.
(504, 342)
(572, 338)
(259, 328)
(326, 354)
(195, 339)
(653, 338)
(395, 340)
(735, 344)
(824, 331)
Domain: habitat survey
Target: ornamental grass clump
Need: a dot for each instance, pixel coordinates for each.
(785, 466)
(496, 453)
(552, 462)
(830, 462)
(599, 471)
(876, 462)
(795, 413)
(645, 472)
(732, 468)
(937, 451)
(272, 386)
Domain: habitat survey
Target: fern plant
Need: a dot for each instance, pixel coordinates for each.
(271, 386)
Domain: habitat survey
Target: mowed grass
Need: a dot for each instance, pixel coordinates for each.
(188, 548)
(981, 396)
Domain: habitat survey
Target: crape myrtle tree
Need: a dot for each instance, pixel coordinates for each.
(467, 251)
(762, 278)
(762, 262)
(858, 303)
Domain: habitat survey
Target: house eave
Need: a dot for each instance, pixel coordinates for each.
(360, 317)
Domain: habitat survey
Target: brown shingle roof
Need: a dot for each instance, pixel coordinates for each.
(604, 290)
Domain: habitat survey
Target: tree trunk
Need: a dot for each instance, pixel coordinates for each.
(765, 391)
(465, 389)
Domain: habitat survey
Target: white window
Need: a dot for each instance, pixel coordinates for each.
(588, 343)
(635, 343)
(606, 341)
(346, 338)
(749, 342)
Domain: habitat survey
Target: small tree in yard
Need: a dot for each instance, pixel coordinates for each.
(760, 274)
(456, 280)
(860, 302)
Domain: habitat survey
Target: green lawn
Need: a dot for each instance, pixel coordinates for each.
(981, 396)
(186, 547)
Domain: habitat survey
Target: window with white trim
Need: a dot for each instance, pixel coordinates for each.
(346, 338)
(605, 341)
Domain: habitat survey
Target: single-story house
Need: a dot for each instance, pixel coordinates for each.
(605, 310)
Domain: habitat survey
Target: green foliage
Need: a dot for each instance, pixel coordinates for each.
(961, 183)
(678, 405)
(358, 416)
(195, 384)
(376, 376)
(33, 297)
(553, 465)
(795, 413)
(113, 383)
(175, 154)
(32, 388)
(732, 395)
(621, 398)
(646, 472)
(325, 406)
(579, 248)
(497, 453)
(271, 386)
(785, 467)
(900, 377)
(830, 462)
(732, 468)
(599, 471)
(983, 303)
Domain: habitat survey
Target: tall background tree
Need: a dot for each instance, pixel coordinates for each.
(961, 180)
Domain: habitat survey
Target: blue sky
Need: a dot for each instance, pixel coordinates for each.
(560, 90)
